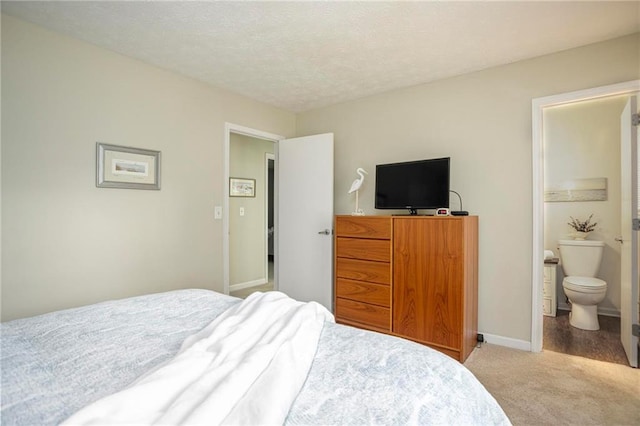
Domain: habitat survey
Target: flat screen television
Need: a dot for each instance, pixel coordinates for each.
(413, 185)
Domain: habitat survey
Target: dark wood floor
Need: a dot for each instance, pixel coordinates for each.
(603, 345)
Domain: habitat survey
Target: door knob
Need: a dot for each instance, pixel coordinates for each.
(325, 232)
(619, 239)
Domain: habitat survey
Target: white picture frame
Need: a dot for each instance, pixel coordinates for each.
(242, 187)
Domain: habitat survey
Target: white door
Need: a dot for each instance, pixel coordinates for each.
(629, 264)
(304, 244)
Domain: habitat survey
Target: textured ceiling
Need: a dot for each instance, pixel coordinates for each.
(304, 55)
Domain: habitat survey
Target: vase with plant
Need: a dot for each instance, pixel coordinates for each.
(582, 227)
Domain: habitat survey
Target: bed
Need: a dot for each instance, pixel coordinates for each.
(56, 364)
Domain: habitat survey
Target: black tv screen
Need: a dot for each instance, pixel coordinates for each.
(413, 185)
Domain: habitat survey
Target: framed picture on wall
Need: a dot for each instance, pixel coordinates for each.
(126, 167)
(241, 187)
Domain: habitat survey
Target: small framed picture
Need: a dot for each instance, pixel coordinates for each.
(240, 187)
(126, 167)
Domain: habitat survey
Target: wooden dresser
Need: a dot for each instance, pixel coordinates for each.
(411, 276)
(363, 271)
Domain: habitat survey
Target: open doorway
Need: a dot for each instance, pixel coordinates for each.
(582, 181)
(303, 214)
(539, 107)
(249, 213)
(270, 161)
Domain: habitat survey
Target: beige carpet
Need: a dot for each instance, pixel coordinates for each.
(552, 388)
(247, 291)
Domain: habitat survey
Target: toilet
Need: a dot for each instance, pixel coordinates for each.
(580, 263)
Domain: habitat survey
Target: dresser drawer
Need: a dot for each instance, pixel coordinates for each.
(363, 227)
(359, 248)
(375, 294)
(363, 270)
(363, 313)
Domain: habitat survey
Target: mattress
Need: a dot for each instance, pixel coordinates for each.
(55, 364)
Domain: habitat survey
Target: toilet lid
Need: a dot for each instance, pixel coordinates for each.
(585, 282)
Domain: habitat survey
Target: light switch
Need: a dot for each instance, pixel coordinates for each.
(241, 211)
(217, 212)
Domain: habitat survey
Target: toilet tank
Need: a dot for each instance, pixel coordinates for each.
(580, 258)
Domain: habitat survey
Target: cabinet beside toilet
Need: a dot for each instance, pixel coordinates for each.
(549, 297)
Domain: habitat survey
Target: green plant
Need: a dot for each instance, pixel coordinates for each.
(582, 225)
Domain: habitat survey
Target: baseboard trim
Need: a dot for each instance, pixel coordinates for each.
(526, 346)
(507, 341)
(240, 286)
(608, 312)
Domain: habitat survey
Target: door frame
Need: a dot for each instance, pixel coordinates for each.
(537, 264)
(230, 128)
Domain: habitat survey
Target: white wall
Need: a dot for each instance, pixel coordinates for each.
(581, 141)
(67, 243)
(247, 234)
(483, 122)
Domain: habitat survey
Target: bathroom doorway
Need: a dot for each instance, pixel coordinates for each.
(582, 152)
(577, 138)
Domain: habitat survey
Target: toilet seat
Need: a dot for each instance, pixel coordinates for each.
(584, 284)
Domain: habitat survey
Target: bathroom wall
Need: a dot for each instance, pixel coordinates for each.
(582, 141)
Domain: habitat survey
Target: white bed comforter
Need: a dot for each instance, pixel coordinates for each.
(245, 367)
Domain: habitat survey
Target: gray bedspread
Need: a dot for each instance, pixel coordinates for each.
(55, 364)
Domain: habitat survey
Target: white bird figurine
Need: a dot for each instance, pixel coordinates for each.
(355, 186)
